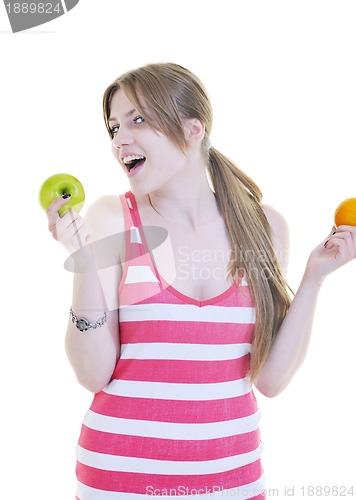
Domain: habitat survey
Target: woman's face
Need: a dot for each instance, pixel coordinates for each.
(150, 160)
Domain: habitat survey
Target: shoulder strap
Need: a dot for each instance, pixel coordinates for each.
(130, 209)
(138, 269)
(134, 245)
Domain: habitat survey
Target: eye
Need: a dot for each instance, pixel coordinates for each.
(114, 130)
(139, 119)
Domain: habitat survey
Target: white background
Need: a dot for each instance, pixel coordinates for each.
(282, 80)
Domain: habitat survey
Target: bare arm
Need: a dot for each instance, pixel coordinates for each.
(292, 340)
(93, 354)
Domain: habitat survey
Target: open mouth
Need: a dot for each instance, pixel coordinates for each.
(131, 162)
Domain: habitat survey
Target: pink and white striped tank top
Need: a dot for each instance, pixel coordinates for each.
(179, 416)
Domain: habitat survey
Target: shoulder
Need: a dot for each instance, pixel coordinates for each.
(105, 220)
(105, 216)
(279, 234)
(275, 219)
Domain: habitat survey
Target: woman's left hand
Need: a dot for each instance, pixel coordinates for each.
(338, 249)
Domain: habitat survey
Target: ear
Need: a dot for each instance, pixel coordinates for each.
(194, 130)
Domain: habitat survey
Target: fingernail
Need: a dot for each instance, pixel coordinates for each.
(65, 196)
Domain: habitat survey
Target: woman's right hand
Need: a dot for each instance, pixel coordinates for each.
(70, 229)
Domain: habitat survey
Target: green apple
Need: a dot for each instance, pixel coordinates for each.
(59, 185)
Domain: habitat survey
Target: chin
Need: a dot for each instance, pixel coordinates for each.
(138, 190)
(143, 188)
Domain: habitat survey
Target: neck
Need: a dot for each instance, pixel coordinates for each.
(192, 204)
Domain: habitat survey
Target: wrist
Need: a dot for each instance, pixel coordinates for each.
(312, 279)
(83, 324)
(81, 261)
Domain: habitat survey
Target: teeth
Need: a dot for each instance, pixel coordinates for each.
(130, 158)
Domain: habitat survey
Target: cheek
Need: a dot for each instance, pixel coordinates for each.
(115, 150)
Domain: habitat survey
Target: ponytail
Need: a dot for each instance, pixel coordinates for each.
(253, 256)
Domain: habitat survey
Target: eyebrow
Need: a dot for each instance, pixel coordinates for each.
(129, 113)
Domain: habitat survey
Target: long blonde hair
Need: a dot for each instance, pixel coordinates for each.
(172, 94)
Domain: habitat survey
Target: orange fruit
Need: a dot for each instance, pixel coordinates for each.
(345, 214)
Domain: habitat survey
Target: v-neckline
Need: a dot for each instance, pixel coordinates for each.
(182, 296)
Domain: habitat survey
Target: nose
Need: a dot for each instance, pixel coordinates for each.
(122, 138)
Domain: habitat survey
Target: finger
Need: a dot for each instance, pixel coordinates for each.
(58, 225)
(332, 232)
(83, 234)
(52, 210)
(349, 238)
(71, 218)
(77, 222)
(71, 226)
(69, 223)
(343, 244)
(350, 229)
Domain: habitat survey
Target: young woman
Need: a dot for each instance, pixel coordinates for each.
(192, 309)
